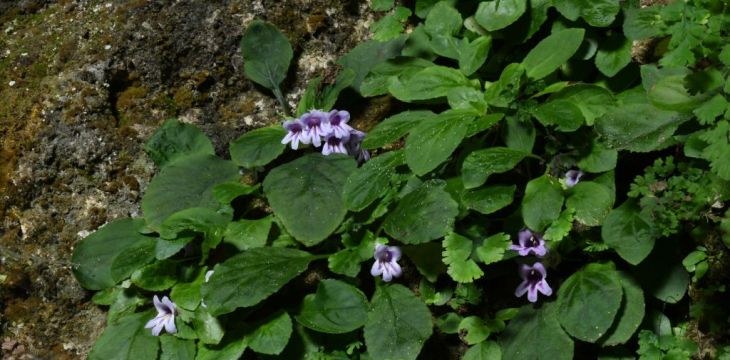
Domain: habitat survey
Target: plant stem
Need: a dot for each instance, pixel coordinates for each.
(282, 102)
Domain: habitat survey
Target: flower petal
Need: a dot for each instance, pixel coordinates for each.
(544, 288)
(532, 294)
(377, 269)
(523, 236)
(158, 305)
(158, 328)
(522, 289)
(170, 325)
(540, 268)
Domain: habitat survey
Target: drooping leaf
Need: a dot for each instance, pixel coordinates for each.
(271, 335)
(613, 54)
(258, 147)
(427, 213)
(473, 54)
(519, 134)
(175, 139)
(266, 54)
(248, 278)
(158, 276)
(552, 52)
(376, 82)
(197, 219)
(306, 194)
(207, 327)
(112, 253)
(336, 308)
(367, 55)
(589, 300)
(183, 184)
(398, 324)
(480, 164)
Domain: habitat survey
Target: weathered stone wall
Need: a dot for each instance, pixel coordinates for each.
(82, 85)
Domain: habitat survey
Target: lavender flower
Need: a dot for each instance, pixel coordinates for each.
(354, 146)
(529, 242)
(572, 177)
(533, 280)
(333, 144)
(295, 133)
(166, 311)
(386, 264)
(338, 123)
(316, 125)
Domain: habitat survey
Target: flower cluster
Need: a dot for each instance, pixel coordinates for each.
(533, 276)
(327, 129)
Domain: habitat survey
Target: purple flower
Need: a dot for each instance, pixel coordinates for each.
(386, 264)
(572, 177)
(338, 123)
(529, 243)
(533, 280)
(166, 311)
(316, 125)
(354, 146)
(295, 133)
(333, 144)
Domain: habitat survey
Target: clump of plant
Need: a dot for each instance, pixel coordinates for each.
(477, 222)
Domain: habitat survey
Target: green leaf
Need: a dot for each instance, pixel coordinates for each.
(670, 284)
(498, 14)
(552, 52)
(483, 123)
(310, 97)
(519, 134)
(429, 83)
(347, 262)
(638, 127)
(599, 159)
(711, 109)
(630, 315)
(535, 334)
(367, 55)
(306, 194)
(248, 278)
(207, 327)
(565, 115)
(629, 232)
(613, 54)
(226, 192)
(589, 300)
(398, 324)
(229, 349)
(542, 203)
(391, 26)
(112, 253)
(473, 54)
(266, 54)
(183, 184)
(126, 339)
(271, 335)
(718, 150)
(592, 101)
(490, 199)
(457, 255)
(174, 140)
(485, 350)
(467, 98)
(480, 164)
(258, 147)
(505, 90)
(197, 219)
(381, 5)
(427, 258)
(336, 308)
(187, 294)
(473, 330)
(493, 248)
(158, 276)
(177, 349)
(598, 13)
(376, 82)
(394, 128)
(443, 20)
(669, 93)
(432, 141)
(167, 248)
(592, 202)
(247, 234)
(642, 23)
(429, 201)
(560, 228)
(366, 184)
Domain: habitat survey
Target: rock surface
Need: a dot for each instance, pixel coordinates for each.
(82, 86)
